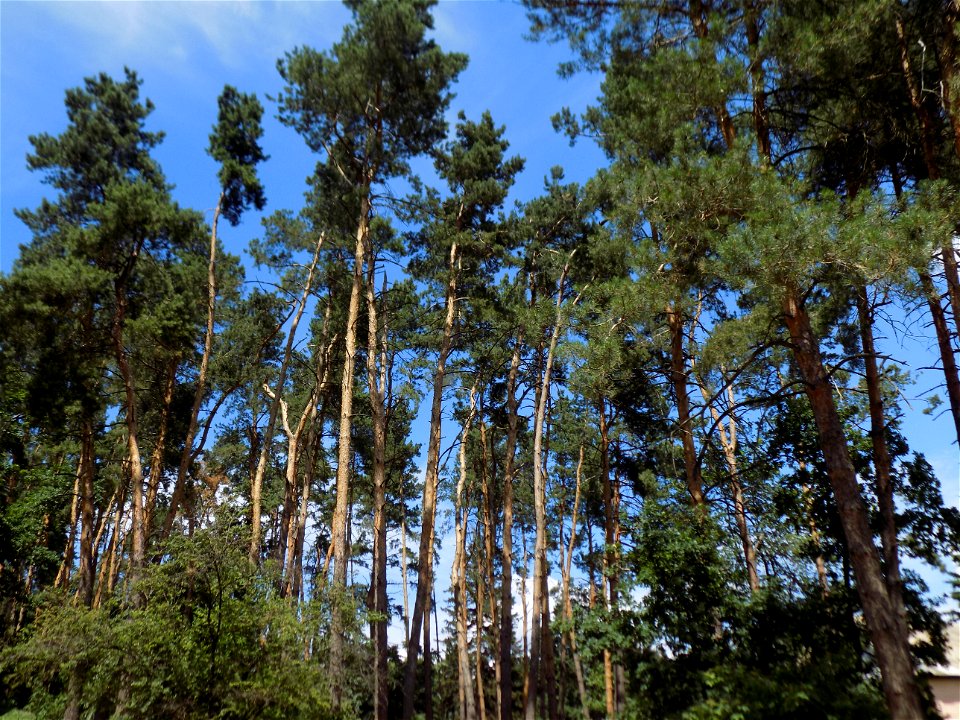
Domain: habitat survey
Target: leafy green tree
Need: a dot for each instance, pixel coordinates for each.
(214, 638)
(234, 144)
(113, 207)
(369, 105)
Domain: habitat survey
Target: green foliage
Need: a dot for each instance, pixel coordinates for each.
(376, 99)
(214, 640)
(234, 143)
(699, 648)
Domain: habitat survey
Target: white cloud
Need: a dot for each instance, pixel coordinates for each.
(175, 34)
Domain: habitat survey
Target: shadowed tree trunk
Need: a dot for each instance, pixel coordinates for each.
(892, 648)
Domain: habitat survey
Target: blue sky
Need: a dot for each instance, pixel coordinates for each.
(186, 51)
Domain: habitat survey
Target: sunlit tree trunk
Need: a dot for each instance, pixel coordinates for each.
(882, 463)
(567, 605)
(421, 605)
(678, 381)
(541, 633)
(468, 709)
(256, 482)
(506, 542)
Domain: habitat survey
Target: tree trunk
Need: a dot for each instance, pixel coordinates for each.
(882, 463)
(292, 524)
(137, 529)
(488, 543)
(155, 475)
(928, 143)
(421, 605)
(567, 605)
(761, 125)
(892, 648)
(947, 58)
(256, 482)
(377, 388)
(86, 470)
(66, 565)
(678, 380)
(541, 618)
(947, 356)
(728, 441)
(314, 443)
(186, 456)
(480, 598)
(609, 558)
(506, 570)
(111, 560)
(468, 709)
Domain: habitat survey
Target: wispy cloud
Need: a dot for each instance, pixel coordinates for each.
(182, 34)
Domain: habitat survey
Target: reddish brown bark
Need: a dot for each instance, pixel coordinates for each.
(678, 381)
(891, 646)
(947, 356)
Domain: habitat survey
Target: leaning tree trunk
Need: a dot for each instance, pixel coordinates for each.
(891, 646)
(85, 473)
(180, 486)
(256, 482)
(159, 447)
(728, 442)
(881, 462)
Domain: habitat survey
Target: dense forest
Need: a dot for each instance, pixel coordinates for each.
(654, 419)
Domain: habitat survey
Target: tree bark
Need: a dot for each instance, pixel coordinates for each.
(377, 389)
(928, 143)
(541, 614)
(468, 709)
(892, 648)
(567, 604)
(256, 482)
(678, 380)
(728, 442)
(137, 529)
(66, 565)
(86, 469)
(421, 605)
(882, 463)
(155, 475)
(488, 543)
(180, 486)
(506, 543)
(292, 523)
(947, 356)
(947, 58)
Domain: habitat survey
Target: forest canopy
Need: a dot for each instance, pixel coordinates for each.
(653, 424)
